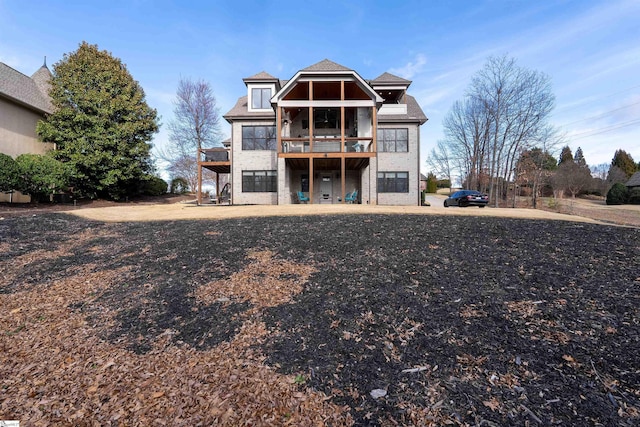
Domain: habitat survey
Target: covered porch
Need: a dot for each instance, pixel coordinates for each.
(218, 161)
(326, 178)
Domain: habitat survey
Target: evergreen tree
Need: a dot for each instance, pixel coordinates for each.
(624, 161)
(101, 123)
(579, 159)
(565, 155)
(432, 183)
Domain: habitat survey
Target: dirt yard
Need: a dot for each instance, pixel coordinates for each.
(353, 316)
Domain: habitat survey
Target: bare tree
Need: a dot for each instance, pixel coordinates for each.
(196, 125)
(534, 170)
(187, 167)
(466, 139)
(615, 176)
(441, 162)
(505, 111)
(571, 177)
(599, 174)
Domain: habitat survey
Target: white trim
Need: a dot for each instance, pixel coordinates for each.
(250, 88)
(328, 104)
(326, 76)
(345, 78)
(383, 88)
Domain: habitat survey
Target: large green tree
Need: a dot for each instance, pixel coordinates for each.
(624, 161)
(566, 155)
(101, 124)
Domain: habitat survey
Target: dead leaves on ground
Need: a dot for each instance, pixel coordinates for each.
(266, 282)
(56, 370)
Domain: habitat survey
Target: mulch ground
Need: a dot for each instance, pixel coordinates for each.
(335, 320)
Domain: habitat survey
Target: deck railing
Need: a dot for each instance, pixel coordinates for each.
(214, 154)
(325, 145)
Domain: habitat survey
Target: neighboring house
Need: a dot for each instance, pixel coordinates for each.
(634, 181)
(23, 101)
(326, 132)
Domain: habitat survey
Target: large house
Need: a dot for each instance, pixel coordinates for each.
(324, 136)
(24, 101)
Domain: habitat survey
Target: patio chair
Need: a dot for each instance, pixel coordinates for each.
(302, 198)
(352, 198)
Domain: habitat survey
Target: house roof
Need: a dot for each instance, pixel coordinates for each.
(241, 111)
(388, 78)
(330, 68)
(414, 114)
(634, 181)
(326, 65)
(30, 92)
(261, 76)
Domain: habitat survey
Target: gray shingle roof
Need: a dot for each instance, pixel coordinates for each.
(414, 113)
(326, 65)
(634, 181)
(262, 75)
(388, 78)
(27, 91)
(241, 110)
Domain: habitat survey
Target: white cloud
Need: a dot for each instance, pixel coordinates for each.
(411, 68)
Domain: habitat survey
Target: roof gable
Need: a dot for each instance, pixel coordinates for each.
(388, 78)
(326, 65)
(329, 68)
(261, 76)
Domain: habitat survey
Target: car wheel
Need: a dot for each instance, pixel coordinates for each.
(481, 206)
(446, 205)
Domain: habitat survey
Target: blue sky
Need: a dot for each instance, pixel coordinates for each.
(590, 49)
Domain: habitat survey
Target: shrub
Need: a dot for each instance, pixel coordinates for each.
(432, 183)
(618, 194)
(41, 175)
(634, 196)
(444, 183)
(9, 173)
(179, 185)
(154, 186)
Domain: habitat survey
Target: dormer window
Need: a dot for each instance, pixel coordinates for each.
(260, 98)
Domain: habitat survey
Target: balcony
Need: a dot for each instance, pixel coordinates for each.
(323, 144)
(392, 109)
(215, 159)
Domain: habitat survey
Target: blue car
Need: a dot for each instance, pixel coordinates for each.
(464, 198)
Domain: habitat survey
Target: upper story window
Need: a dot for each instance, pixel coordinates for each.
(260, 98)
(258, 137)
(393, 140)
